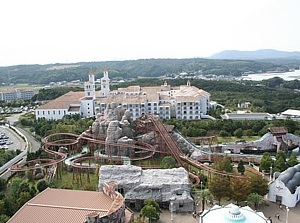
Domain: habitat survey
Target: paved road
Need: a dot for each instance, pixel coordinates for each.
(34, 144)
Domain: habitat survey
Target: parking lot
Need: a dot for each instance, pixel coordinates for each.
(9, 140)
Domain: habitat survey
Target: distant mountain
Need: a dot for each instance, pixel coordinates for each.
(120, 70)
(256, 55)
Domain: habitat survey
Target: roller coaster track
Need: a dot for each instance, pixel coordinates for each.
(180, 157)
(171, 145)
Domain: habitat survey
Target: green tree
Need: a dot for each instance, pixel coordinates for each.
(224, 164)
(238, 133)
(2, 207)
(219, 186)
(151, 210)
(168, 162)
(3, 184)
(241, 167)
(41, 185)
(258, 184)
(240, 189)
(4, 218)
(249, 132)
(280, 164)
(23, 187)
(292, 160)
(223, 133)
(265, 162)
(23, 198)
(203, 196)
(32, 191)
(255, 198)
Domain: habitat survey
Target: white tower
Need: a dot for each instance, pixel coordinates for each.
(104, 85)
(89, 86)
(188, 83)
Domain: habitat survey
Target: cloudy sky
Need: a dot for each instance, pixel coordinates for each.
(66, 31)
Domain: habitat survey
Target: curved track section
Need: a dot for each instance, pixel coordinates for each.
(171, 145)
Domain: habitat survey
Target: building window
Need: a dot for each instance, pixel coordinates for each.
(59, 112)
(38, 112)
(48, 112)
(43, 112)
(53, 112)
(191, 117)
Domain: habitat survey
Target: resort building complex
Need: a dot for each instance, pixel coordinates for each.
(181, 102)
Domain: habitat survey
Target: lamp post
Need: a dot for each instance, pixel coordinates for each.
(287, 215)
(270, 172)
(172, 210)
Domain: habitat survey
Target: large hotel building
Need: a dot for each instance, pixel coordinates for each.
(181, 102)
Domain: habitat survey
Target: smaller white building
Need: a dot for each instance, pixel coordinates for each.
(292, 113)
(233, 214)
(285, 187)
(67, 104)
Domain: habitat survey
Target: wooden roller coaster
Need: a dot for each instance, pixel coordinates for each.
(163, 144)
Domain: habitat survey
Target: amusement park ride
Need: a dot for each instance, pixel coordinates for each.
(81, 152)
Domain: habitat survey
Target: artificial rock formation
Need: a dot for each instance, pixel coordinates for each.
(163, 185)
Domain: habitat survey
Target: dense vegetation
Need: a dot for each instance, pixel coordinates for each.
(225, 128)
(52, 93)
(69, 124)
(44, 74)
(7, 155)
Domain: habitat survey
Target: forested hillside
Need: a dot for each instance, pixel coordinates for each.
(44, 74)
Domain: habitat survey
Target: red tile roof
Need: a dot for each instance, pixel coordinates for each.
(64, 101)
(60, 205)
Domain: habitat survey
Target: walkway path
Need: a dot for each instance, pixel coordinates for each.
(269, 209)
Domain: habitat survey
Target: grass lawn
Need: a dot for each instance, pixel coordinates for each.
(233, 139)
(72, 181)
